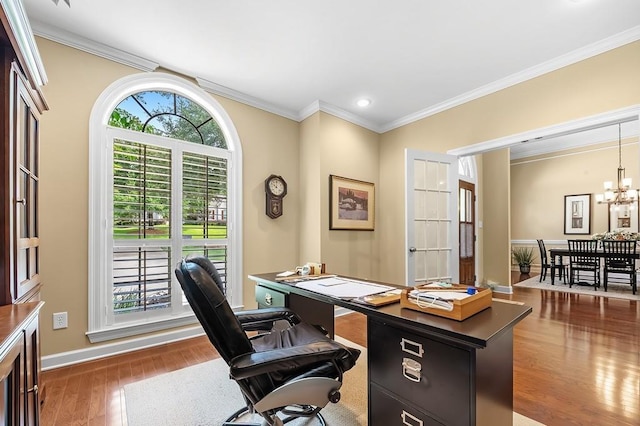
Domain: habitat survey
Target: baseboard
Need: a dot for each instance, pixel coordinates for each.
(64, 359)
(503, 289)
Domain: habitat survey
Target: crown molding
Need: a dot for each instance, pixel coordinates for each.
(19, 23)
(69, 39)
(631, 113)
(86, 45)
(319, 105)
(629, 36)
(235, 95)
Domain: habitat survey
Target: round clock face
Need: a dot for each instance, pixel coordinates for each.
(276, 186)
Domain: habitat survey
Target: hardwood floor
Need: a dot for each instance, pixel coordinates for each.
(576, 362)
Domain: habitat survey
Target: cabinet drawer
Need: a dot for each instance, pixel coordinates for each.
(268, 298)
(385, 410)
(432, 375)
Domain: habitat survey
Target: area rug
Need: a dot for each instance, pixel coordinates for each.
(203, 395)
(619, 291)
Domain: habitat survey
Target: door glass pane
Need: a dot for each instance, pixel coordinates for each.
(443, 205)
(432, 235)
(432, 205)
(463, 206)
(420, 233)
(420, 204)
(419, 174)
(21, 133)
(21, 206)
(443, 234)
(33, 145)
(443, 264)
(33, 208)
(22, 271)
(432, 265)
(443, 172)
(432, 175)
(469, 200)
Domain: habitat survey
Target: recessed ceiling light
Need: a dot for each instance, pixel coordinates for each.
(363, 102)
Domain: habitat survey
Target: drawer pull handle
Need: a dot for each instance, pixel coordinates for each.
(411, 370)
(411, 347)
(268, 299)
(415, 420)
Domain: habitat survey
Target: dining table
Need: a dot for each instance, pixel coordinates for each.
(560, 252)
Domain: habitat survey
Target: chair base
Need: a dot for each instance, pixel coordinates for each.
(277, 421)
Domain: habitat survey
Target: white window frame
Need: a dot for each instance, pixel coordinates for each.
(100, 327)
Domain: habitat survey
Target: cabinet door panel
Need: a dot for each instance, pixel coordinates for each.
(11, 379)
(25, 134)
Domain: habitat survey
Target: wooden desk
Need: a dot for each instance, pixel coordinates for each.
(466, 375)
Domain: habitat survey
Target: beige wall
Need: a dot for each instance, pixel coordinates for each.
(310, 180)
(605, 82)
(539, 184)
(496, 247)
(349, 151)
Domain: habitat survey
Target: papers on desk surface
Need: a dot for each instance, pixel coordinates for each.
(343, 288)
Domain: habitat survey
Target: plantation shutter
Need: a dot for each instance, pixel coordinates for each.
(142, 270)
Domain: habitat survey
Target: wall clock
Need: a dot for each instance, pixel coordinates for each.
(275, 188)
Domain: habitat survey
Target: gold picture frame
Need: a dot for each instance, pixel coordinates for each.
(351, 203)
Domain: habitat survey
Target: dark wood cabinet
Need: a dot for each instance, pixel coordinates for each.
(21, 104)
(19, 364)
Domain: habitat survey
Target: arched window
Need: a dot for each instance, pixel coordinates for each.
(165, 182)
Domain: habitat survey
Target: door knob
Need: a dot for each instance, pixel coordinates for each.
(412, 249)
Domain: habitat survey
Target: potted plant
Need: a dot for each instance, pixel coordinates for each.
(523, 256)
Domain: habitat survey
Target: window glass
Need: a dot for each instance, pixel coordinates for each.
(168, 114)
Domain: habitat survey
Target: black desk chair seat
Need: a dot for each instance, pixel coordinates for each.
(620, 260)
(295, 370)
(546, 266)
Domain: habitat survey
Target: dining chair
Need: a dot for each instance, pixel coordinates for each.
(584, 258)
(620, 260)
(546, 266)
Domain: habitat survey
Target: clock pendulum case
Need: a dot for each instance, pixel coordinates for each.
(275, 189)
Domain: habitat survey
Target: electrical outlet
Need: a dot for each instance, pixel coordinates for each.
(59, 320)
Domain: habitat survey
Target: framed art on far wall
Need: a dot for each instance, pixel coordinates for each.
(351, 204)
(624, 216)
(577, 214)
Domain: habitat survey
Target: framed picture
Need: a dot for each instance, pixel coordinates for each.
(624, 216)
(352, 204)
(577, 214)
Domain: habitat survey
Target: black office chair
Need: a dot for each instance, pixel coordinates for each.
(545, 265)
(295, 370)
(620, 259)
(584, 257)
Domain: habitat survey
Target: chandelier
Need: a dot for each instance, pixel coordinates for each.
(68, 2)
(622, 194)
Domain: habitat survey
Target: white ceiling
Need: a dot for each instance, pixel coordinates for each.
(412, 58)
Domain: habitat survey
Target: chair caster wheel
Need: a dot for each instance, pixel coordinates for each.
(334, 396)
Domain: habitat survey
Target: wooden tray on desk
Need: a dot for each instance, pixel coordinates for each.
(462, 309)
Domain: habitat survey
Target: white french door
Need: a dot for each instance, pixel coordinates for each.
(431, 187)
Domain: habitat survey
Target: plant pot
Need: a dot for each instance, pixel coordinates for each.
(525, 269)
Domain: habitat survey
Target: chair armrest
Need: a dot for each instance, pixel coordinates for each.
(256, 363)
(263, 319)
